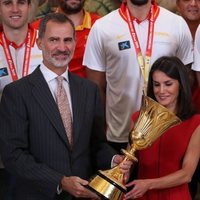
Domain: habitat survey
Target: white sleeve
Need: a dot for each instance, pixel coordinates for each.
(196, 64)
(185, 50)
(94, 56)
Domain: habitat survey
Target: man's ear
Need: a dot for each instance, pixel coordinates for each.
(39, 43)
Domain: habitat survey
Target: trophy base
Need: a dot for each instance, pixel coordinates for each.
(105, 187)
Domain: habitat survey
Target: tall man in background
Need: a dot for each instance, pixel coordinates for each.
(121, 44)
(19, 54)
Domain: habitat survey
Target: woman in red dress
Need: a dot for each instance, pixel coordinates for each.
(165, 168)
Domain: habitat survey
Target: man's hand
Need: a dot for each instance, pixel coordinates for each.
(125, 166)
(76, 187)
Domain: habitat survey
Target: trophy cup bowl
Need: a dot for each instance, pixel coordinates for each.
(153, 121)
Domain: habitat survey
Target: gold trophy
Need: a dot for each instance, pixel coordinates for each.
(152, 122)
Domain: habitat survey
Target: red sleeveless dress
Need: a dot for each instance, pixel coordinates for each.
(164, 157)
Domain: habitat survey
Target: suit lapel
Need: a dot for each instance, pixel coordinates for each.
(43, 96)
(77, 95)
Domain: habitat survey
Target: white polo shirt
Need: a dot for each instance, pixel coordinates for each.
(124, 80)
(17, 54)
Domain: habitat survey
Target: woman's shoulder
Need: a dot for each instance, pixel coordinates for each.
(193, 121)
(195, 117)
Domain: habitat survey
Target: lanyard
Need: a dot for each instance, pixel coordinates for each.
(9, 59)
(144, 62)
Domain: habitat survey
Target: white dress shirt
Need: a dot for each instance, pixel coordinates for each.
(51, 80)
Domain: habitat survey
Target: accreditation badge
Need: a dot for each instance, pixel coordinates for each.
(3, 71)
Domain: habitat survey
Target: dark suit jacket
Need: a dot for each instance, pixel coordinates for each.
(33, 142)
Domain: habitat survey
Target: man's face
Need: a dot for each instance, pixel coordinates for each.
(139, 2)
(71, 6)
(189, 9)
(57, 45)
(14, 13)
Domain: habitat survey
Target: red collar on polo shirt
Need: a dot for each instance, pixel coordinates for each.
(122, 11)
(33, 33)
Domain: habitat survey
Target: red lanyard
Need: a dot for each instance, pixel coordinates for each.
(9, 59)
(144, 63)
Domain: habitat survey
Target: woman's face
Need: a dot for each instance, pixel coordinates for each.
(166, 90)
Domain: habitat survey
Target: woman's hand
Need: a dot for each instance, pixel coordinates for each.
(140, 187)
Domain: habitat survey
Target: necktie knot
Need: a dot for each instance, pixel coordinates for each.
(60, 79)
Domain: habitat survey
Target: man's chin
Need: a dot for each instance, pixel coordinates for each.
(60, 65)
(60, 62)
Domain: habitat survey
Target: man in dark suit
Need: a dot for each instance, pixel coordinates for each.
(34, 143)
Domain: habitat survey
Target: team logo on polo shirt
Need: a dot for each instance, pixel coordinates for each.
(3, 72)
(124, 45)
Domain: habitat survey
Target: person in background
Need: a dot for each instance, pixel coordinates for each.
(52, 136)
(190, 11)
(19, 54)
(196, 68)
(83, 21)
(166, 167)
(18, 49)
(196, 65)
(123, 43)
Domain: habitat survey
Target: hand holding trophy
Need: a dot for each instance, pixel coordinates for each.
(152, 122)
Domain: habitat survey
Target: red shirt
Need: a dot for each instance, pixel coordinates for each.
(82, 31)
(35, 24)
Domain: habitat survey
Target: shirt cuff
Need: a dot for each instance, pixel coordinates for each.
(59, 189)
(112, 162)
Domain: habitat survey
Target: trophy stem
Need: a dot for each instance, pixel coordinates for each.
(129, 154)
(109, 184)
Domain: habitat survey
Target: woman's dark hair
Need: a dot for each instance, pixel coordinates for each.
(174, 68)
